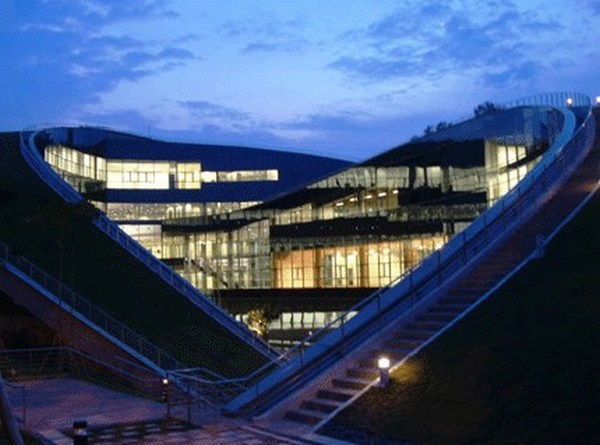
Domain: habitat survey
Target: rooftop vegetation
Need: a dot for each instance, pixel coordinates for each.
(60, 239)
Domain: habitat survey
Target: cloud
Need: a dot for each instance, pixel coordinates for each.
(291, 45)
(488, 41)
(203, 109)
(265, 35)
(527, 71)
(64, 55)
(111, 11)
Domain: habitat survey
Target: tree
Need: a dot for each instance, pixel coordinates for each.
(486, 108)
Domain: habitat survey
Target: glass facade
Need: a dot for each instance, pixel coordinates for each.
(391, 218)
(144, 175)
(173, 210)
(368, 225)
(360, 228)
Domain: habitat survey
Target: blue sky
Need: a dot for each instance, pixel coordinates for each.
(348, 78)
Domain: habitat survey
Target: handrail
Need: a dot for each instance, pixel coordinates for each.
(26, 357)
(67, 192)
(160, 361)
(72, 302)
(21, 390)
(7, 417)
(413, 282)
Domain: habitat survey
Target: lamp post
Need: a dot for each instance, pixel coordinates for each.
(383, 363)
(569, 101)
(165, 395)
(80, 436)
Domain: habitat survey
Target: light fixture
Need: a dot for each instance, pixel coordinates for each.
(383, 363)
(569, 101)
(597, 100)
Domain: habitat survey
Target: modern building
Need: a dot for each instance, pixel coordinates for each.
(219, 217)
(140, 182)
(424, 232)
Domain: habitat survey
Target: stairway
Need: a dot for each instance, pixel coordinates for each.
(355, 376)
(340, 384)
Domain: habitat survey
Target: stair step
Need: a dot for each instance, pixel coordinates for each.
(464, 291)
(363, 372)
(413, 334)
(314, 405)
(431, 326)
(402, 344)
(435, 317)
(396, 353)
(302, 416)
(460, 298)
(454, 308)
(338, 395)
(350, 383)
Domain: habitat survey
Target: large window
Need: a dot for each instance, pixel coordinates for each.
(145, 174)
(247, 175)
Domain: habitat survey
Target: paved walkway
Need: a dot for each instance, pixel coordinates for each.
(119, 419)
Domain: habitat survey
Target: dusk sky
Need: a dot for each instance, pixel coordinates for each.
(348, 78)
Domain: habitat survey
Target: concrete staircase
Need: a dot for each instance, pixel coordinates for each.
(355, 371)
(354, 376)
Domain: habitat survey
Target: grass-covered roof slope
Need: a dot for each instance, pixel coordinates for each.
(61, 239)
(524, 367)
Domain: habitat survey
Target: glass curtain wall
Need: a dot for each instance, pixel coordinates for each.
(371, 223)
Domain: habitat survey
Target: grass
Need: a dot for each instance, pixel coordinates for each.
(522, 368)
(60, 239)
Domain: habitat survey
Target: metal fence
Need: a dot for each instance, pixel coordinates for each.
(73, 302)
(21, 365)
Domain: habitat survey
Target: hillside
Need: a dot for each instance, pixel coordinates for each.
(61, 239)
(522, 368)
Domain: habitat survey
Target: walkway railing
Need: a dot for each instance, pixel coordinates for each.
(19, 365)
(68, 193)
(11, 394)
(349, 330)
(214, 388)
(72, 302)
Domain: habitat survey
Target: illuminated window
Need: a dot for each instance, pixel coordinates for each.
(188, 176)
(247, 175)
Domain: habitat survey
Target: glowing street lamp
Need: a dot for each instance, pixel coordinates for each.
(165, 395)
(597, 100)
(383, 363)
(569, 101)
(80, 436)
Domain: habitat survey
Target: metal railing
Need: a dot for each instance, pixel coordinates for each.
(141, 348)
(16, 393)
(72, 302)
(19, 365)
(415, 284)
(68, 193)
